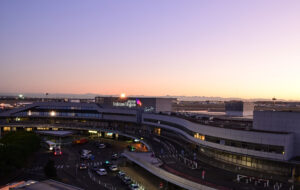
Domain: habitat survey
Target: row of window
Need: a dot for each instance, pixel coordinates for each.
(59, 114)
(226, 142)
(246, 145)
(67, 107)
(247, 161)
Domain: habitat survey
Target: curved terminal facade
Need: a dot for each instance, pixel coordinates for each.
(266, 147)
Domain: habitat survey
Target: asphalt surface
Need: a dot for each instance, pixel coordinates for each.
(67, 166)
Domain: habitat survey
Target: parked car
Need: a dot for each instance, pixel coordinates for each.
(127, 180)
(121, 174)
(82, 166)
(102, 171)
(114, 156)
(87, 156)
(134, 186)
(85, 151)
(101, 146)
(113, 168)
(57, 152)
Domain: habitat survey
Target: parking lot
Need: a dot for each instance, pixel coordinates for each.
(88, 177)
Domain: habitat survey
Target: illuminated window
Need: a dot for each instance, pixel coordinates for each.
(157, 131)
(90, 131)
(28, 129)
(6, 128)
(197, 136)
(202, 137)
(109, 134)
(43, 128)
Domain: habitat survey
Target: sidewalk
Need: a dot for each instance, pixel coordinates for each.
(213, 175)
(146, 163)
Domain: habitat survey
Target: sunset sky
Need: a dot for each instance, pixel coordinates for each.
(246, 49)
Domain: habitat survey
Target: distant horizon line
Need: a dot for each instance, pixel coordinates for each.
(93, 95)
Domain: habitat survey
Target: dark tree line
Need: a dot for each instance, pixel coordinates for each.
(15, 148)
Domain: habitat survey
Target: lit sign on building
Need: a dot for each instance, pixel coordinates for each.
(138, 102)
(128, 103)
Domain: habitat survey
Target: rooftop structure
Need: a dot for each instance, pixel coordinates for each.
(56, 133)
(239, 108)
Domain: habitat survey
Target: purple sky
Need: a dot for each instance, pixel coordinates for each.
(248, 49)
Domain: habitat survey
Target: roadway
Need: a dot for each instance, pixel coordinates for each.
(67, 167)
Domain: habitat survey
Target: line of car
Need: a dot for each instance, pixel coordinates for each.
(128, 181)
(107, 165)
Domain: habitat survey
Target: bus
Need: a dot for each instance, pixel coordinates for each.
(49, 145)
(80, 141)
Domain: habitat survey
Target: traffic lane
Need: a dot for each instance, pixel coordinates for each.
(101, 155)
(110, 178)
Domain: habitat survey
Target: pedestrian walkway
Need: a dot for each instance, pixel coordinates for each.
(182, 167)
(145, 160)
(62, 166)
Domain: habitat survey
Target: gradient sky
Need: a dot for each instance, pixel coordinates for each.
(247, 49)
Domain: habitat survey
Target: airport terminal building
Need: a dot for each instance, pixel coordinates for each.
(269, 146)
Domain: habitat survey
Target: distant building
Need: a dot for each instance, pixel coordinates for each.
(147, 104)
(239, 108)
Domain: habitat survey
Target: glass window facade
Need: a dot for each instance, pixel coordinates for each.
(223, 141)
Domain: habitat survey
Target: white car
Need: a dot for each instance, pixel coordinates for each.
(102, 171)
(102, 146)
(134, 186)
(113, 168)
(86, 156)
(121, 174)
(84, 151)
